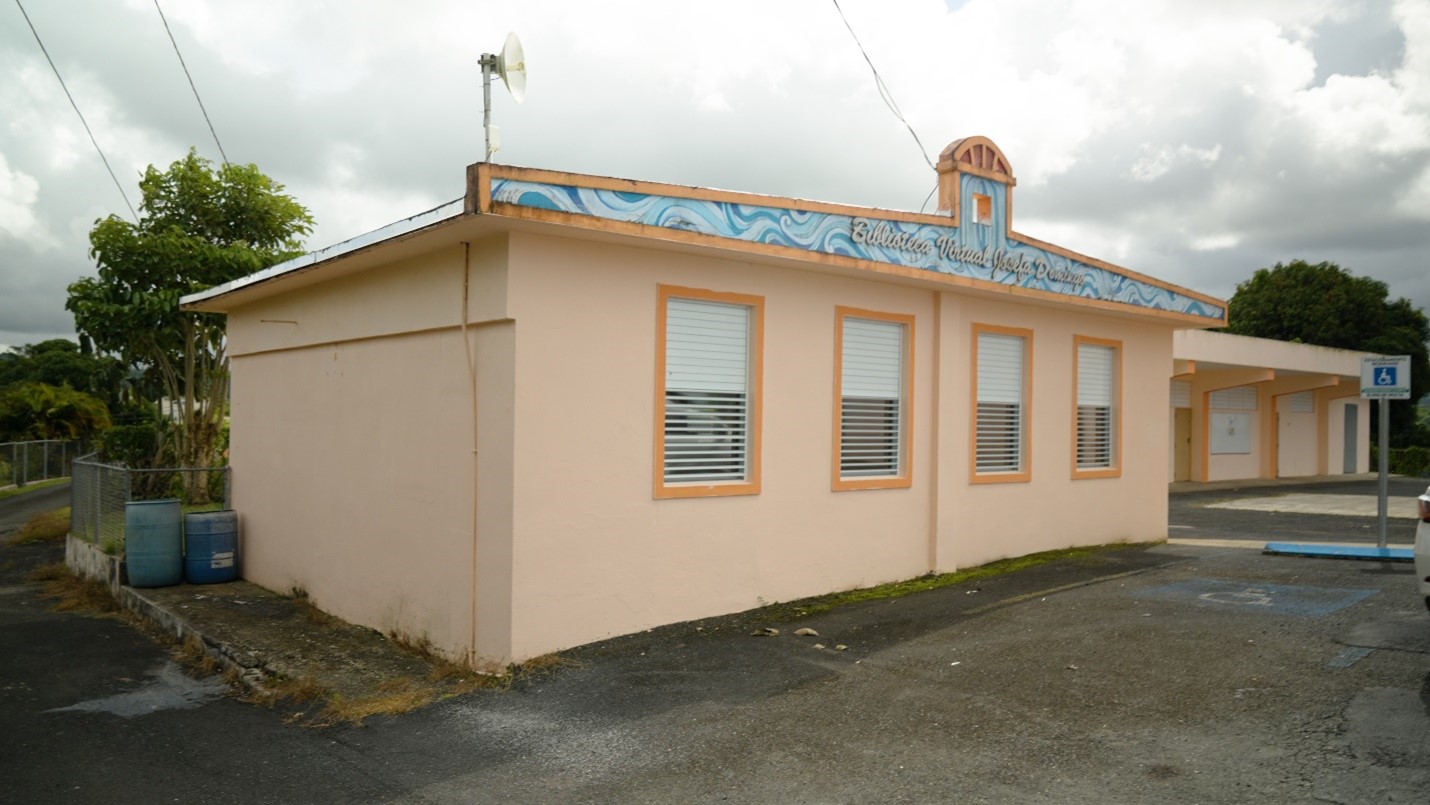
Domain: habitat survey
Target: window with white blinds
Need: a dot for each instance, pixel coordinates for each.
(871, 398)
(1181, 394)
(1097, 377)
(708, 405)
(1000, 425)
(1240, 398)
(1302, 402)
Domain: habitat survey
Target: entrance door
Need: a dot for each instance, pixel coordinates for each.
(1352, 428)
(1182, 445)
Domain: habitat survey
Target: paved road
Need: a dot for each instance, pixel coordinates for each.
(1190, 516)
(1181, 673)
(14, 511)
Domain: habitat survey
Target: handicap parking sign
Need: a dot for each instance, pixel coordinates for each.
(1385, 377)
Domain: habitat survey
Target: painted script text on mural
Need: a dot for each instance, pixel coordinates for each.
(948, 249)
(975, 252)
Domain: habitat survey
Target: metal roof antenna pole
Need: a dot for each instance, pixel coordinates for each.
(510, 64)
(489, 63)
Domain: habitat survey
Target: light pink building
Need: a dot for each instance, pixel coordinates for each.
(1256, 408)
(571, 407)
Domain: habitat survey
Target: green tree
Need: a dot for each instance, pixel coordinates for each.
(1327, 305)
(199, 226)
(59, 362)
(31, 411)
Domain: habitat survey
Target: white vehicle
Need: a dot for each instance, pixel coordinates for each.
(1422, 547)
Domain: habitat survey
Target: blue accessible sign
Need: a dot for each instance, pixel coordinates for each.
(1385, 378)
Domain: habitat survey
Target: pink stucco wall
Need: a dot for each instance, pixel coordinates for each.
(596, 555)
(355, 459)
(351, 446)
(983, 522)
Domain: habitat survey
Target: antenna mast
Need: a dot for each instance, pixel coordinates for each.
(511, 66)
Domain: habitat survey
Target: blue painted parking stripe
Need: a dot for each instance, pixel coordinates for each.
(1324, 551)
(1258, 597)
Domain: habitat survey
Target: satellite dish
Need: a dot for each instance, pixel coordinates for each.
(511, 66)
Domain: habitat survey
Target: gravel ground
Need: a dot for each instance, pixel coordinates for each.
(1111, 692)
(1186, 673)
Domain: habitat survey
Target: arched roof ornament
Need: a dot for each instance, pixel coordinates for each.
(978, 156)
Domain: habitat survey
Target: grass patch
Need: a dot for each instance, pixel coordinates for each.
(71, 593)
(51, 526)
(195, 655)
(455, 678)
(393, 697)
(32, 486)
(301, 691)
(445, 679)
(825, 603)
(545, 665)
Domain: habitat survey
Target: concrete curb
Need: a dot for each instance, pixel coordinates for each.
(87, 561)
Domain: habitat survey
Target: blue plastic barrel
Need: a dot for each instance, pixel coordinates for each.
(211, 547)
(153, 547)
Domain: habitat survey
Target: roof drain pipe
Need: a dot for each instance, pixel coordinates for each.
(472, 376)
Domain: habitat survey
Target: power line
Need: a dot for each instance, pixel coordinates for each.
(885, 94)
(77, 111)
(175, 43)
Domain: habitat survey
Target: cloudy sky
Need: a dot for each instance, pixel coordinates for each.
(1191, 141)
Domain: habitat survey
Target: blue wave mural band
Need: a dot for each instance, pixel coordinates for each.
(974, 251)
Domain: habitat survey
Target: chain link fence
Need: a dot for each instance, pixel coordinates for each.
(99, 491)
(29, 462)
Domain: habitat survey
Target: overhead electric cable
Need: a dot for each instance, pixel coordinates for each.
(102, 158)
(884, 89)
(175, 43)
(888, 98)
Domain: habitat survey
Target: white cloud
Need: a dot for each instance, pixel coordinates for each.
(1413, 77)
(1351, 115)
(18, 193)
(1156, 162)
(1192, 141)
(1211, 243)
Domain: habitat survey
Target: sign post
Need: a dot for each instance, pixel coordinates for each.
(1384, 378)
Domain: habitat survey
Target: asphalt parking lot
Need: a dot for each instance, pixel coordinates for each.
(1190, 672)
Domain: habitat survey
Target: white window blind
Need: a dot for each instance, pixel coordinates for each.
(1302, 402)
(707, 385)
(871, 405)
(1095, 416)
(1001, 406)
(1241, 398)
(1181, 394)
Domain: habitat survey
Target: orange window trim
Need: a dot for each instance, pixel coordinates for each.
(750, 486)
(904, 479)
(1115, 471)
(1026, 459)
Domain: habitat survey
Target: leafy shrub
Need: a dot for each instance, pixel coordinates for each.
(130, 445)
(1413, 461)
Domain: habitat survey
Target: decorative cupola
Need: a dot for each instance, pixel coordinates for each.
(975, 183)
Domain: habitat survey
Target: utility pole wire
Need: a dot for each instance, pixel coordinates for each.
(175, 43)
(888, 98)
(85, 123)
(883, 89)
